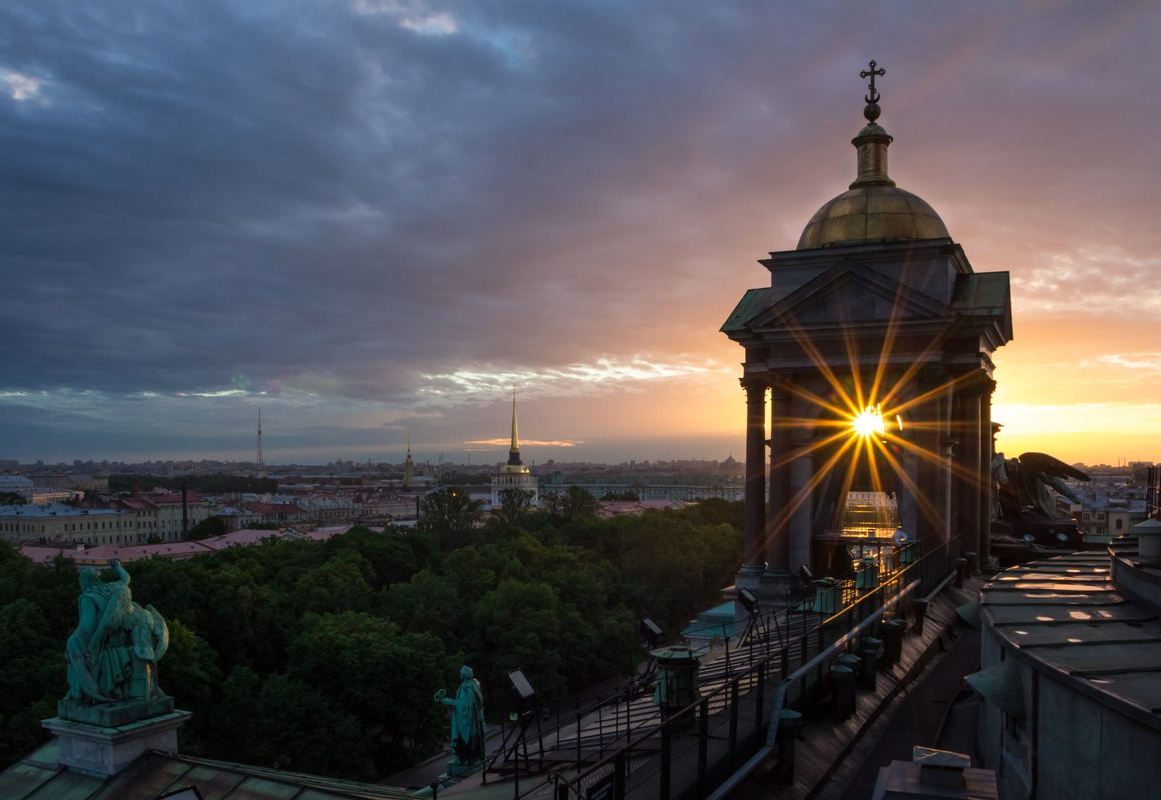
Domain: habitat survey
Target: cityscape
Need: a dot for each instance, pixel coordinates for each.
(579, 401)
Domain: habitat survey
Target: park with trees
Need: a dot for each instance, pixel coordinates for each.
(323, 657)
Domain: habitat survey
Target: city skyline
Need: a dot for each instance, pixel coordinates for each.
(370, 218)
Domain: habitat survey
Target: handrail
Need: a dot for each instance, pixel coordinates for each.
(892, 584)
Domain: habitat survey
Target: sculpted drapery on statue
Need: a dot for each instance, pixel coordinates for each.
(113, 653)
(467, 718)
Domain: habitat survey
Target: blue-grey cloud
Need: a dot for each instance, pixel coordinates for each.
(340, 200)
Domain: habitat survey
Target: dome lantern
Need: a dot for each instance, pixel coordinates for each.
(873, 209)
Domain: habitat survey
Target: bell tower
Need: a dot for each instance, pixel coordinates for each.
(872, 348)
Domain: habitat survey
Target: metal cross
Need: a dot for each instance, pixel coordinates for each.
(873, 97)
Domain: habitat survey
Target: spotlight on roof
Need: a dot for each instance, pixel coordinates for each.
(749, 600)
(652, 634)
(519, 687)
(805, 574)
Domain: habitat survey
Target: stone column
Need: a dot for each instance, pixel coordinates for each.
(950, 448)
(800, 492)
(969, 477)
(800, 540)
(754, 563)
(778, 539)
(929, 437)
(986, 453)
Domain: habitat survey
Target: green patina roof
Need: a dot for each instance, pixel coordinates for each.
(715, 622)
(40, 777)
(981, 292)
(752, 302)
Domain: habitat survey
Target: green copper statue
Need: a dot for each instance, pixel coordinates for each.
(467, 719)
(113, 653)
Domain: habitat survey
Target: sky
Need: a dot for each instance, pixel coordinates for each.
(371, 219)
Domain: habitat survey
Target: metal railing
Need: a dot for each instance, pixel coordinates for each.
(691, 752)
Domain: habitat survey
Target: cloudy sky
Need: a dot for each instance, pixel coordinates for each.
(369, 217)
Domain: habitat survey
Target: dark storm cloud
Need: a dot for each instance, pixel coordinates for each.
(358, 204)
(198, 190)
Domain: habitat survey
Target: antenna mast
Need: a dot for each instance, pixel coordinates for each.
(261, 461)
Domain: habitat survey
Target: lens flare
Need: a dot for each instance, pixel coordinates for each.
(869, 422)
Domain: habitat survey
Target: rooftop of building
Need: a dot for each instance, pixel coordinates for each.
(1071, 621)
(41, 777)
(49, 510)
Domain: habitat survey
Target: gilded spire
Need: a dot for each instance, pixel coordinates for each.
(514, 450)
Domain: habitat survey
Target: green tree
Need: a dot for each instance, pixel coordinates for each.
(428, 603)
(578, 503)
(379, 675)
(208, 527)
(32, 673)
(514, 503)
(277, 721)
(450, 514)
(339, 584)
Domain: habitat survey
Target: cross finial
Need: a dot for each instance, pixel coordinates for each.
(873, 97)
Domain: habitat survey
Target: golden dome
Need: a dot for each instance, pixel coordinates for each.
(873, 209)
(872, 214)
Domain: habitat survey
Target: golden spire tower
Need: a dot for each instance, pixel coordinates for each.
(514, 450)
(514, 474)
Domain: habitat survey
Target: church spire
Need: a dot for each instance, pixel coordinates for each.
(514, 450)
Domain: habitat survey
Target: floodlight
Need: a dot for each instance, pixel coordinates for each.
(519, 686)
(748, 600)
(805, 574)
(652, 633)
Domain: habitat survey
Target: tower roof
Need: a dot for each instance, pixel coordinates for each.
(873, 209)
(514, 465)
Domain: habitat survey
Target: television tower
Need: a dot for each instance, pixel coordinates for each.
(408, 464)
(261, 463)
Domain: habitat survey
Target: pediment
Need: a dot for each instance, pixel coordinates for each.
(850, 293)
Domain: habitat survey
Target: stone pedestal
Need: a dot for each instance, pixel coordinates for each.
(778, 589)
(112, 715)
(105, 750)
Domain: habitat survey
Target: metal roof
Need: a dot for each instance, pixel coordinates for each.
(1068, 618)
(40, 777)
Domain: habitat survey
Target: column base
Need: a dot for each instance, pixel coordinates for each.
(775, 589)
(106, 750)
(748, 577)
(778, 589)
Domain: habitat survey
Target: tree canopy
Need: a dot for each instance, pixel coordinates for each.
(324, 656)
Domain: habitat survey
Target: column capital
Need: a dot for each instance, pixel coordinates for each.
(753, 383)
(976, 382)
